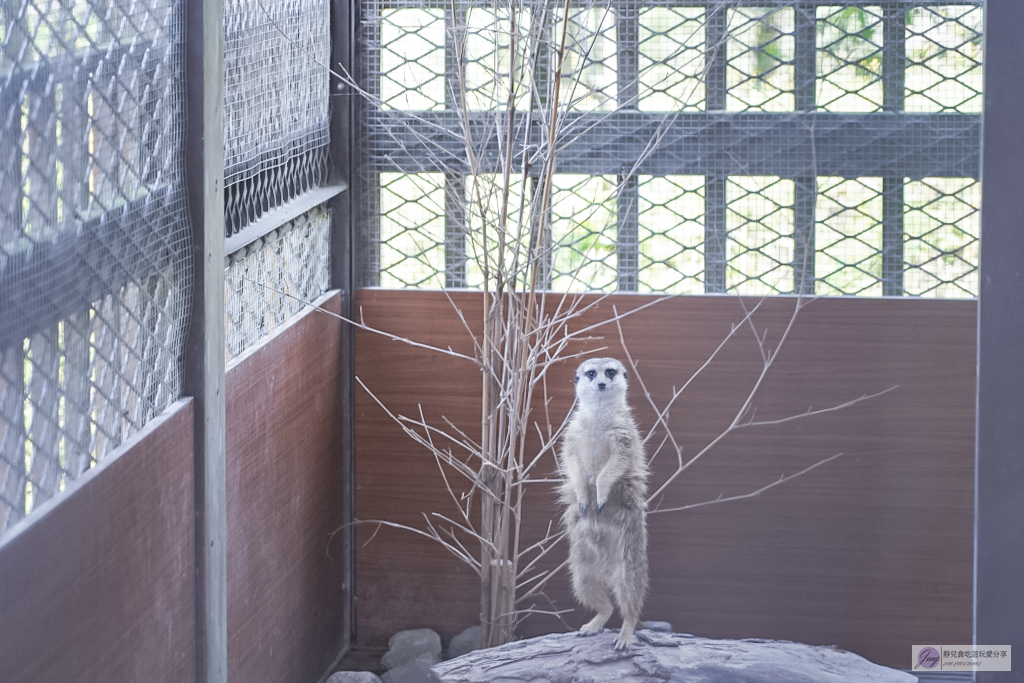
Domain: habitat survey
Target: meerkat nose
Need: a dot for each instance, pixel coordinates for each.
(600, 385)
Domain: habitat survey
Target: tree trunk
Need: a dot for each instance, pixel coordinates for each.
(497, 587)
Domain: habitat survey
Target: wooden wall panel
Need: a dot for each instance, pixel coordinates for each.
(285, 577)
(101, 585)
(871, 552)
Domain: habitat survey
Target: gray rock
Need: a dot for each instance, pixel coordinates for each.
(414, 671)
(467, 641)
(659, 656)
(662, 626)
(354, 677)
(408, 645)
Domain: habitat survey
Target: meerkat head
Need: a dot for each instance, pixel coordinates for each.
(601, 381)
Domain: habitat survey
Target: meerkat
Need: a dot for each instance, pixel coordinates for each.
(604, 474)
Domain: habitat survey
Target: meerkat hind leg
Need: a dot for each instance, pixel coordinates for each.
(592, 593)
(629, 598)
(596, 625)
(625, 634)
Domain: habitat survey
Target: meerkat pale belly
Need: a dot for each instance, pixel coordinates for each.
(604, 489)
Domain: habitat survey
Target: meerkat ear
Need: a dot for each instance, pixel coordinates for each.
(625, 375)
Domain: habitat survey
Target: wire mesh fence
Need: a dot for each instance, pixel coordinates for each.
(276, 106)
(705, 145)
(273, 279)
(94, 236)
(276, 137)
(94, 271)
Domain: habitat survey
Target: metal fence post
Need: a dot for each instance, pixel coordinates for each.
(805, 187)
(203, 371)
(894, 69)
(999, 474)
(344, 134)
(715, 201)
(627, 24)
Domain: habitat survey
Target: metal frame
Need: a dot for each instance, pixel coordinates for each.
(203, 371)
(204, 363)
(999, 474)
(344, 136)
(413, 144)
(798, 145)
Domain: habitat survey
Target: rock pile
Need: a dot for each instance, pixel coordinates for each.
(410, 655)
(656, 657)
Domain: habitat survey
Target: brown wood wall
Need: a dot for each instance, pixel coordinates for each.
(871, 552)
(285, 576)
(101, 586)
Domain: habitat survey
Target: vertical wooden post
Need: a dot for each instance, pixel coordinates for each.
(203, 371)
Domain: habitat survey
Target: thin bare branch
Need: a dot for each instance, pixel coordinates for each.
(820, 411)
(362, 325)
(739, 414)
(536, 588)
(720, 499)
(468, 559)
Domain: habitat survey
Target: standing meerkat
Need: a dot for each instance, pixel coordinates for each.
(604, 488)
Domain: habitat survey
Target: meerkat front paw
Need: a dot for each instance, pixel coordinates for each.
(602, 493)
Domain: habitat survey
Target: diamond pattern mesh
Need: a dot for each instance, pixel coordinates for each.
(489, 58)
(482, 203)
(591, 58)
(828, 148)
(941, 232)
(271, 280)
(672, 58)
(412, 59)
(583, 233)
(762, 50)
(276, 108)
(848, 236)
(672, 258)
(944, 55)
(412, 238)
(94, 239)
(760, 239)
(850, 44)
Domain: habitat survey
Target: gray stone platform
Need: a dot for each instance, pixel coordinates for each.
(657, 657)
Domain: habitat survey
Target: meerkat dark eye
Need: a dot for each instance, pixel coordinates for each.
(591, 374)
(609, 373)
